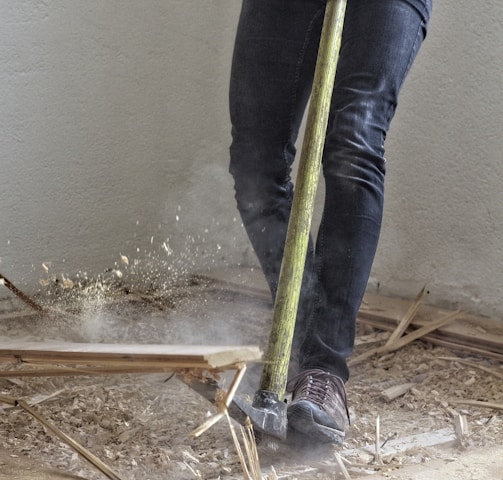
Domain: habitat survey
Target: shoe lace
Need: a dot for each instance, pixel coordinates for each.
(319, 387)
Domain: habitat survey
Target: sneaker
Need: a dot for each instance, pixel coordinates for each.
(319, 407)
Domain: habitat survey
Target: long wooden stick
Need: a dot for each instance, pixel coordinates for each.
(101, 466)
(277, 357)
(25, 298)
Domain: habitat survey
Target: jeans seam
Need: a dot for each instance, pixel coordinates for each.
(298, 67)
(414, 50)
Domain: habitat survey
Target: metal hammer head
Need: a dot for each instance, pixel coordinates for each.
(267, 413)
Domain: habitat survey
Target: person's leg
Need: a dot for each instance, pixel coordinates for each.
(380, 41)
(271, 78)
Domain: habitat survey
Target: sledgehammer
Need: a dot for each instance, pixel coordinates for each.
(268, 411)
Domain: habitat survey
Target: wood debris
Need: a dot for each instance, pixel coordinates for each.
(377, 454)
(491, 371)
(396, 391)
(470, 333)
(462, 430)
(249, 457)
(139, 424)
(406, 319)
(478, 403)
(397, 341)
(342, 467)
(85, 453)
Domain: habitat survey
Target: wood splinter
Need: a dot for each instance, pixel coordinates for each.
(396, 391)
(462, 430)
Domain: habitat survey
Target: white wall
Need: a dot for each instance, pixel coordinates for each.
(114, 139)
(114, 129)
(444, 200)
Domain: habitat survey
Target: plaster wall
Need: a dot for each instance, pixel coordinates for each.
(443, 222)
(114, 139)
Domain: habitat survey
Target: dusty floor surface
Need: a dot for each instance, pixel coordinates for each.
(139, 424)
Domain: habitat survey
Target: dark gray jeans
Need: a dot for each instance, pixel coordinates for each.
(272, 72)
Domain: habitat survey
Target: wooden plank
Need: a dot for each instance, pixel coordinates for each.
(39, 370)
(176, 356)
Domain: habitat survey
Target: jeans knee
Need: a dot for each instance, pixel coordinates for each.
(354, 146)
(261, 171)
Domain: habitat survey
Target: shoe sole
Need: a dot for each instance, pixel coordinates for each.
(300, 419)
